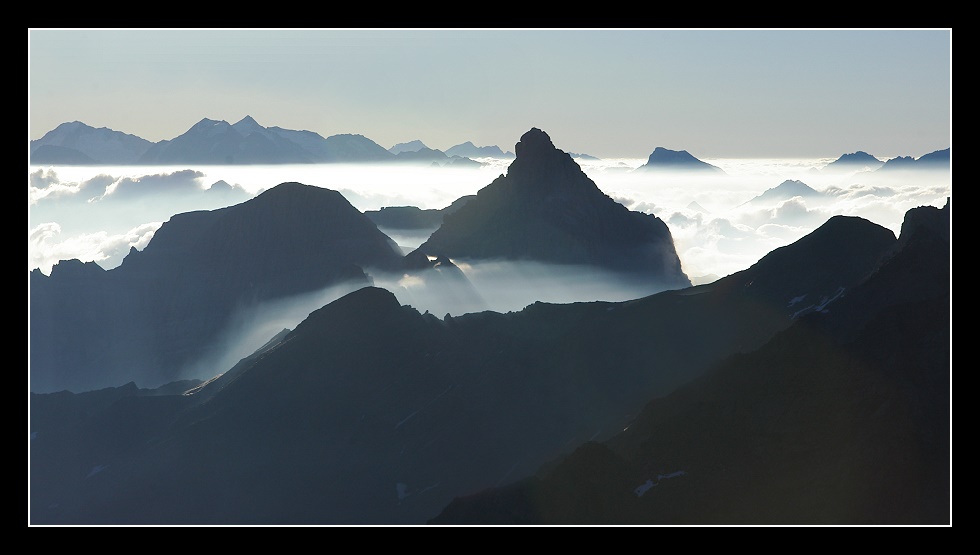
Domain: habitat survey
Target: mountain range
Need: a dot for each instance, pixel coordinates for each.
(843, 418)
(169, 305)
(811, 388)
(774, 395)
(212, 142)
(862, 161)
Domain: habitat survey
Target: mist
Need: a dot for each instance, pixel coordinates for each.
(252, 327)
(718, 225)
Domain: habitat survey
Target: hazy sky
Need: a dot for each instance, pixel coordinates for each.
(609, 93)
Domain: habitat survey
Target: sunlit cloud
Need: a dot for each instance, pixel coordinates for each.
(714, 230)
(182, 181)
(46, 247)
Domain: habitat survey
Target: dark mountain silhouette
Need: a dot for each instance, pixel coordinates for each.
(841, 419)
(675, 160)
(413, 217)
(785, 191)
(546, 209)
(938, 160)
(77, 143)
(410, 146)
(369, 412)
(164, 306)
(854, 161)
(469, 150)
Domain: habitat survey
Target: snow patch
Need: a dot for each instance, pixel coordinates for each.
(644, 487)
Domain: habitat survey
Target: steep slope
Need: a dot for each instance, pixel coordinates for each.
(842, 419)
(372, 413)
(546, 209)
(164, 306)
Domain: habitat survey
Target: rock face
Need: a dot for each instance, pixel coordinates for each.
(157, 311)
(546, 209)
(662, 159)
(841, 419)
(369, 412)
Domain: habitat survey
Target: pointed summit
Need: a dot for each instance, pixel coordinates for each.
(247, 125)
(547, 209)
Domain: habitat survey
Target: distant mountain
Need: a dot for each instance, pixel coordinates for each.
(413, 217)
(582, 156)
(785, 191)
(469, 150)
(411, 146)
(938, 160)
(695, 207)
(163, 307)
(218, 142)
(673, 160)
(855, 161)
(77, 143)
(546, 209)
(369, 412)
(206, 142)
(841, 419)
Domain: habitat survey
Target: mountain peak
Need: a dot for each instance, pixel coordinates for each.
(665, 159)
(247, 125)
(547, 209)
(540, 166)
(533, 143)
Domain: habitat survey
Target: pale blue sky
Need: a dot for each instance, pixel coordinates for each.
(722, 93)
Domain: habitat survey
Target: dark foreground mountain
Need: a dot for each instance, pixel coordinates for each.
(369, 412)
(663, 159)
(165, 306)
(841, 419)
(547, 210)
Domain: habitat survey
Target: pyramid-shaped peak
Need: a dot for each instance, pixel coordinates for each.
(534, 142)
(247, 124)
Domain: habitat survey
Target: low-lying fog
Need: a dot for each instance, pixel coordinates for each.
(720, 224)
(98, 213)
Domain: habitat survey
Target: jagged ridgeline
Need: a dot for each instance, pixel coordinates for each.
(369, 412)
(547, 209)
(167, 305)
(165, 308)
